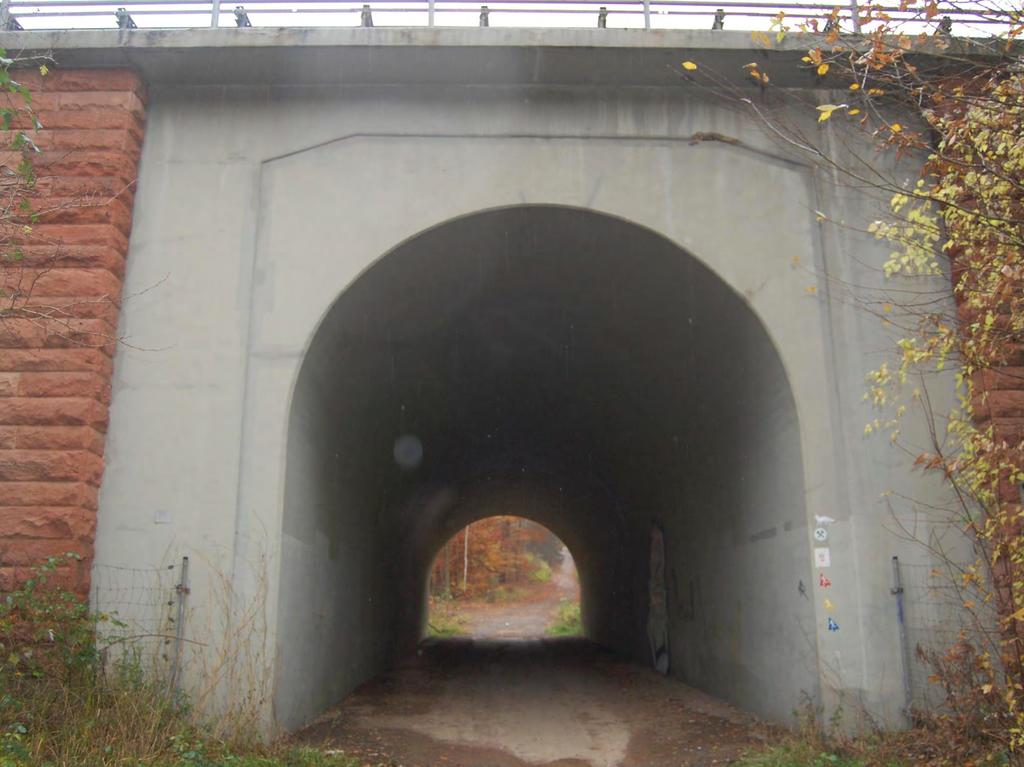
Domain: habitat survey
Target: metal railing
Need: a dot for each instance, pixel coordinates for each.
(644, 14)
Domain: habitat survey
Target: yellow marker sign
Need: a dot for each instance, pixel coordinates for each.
(828, 604)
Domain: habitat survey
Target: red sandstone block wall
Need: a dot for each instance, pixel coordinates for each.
(999, 402)
(55, 375)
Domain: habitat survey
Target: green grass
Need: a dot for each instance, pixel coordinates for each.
(796, 756)
(444, 629)
(567, 623)
(444, 619)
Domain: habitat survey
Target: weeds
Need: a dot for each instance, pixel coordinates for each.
(797, 755)
(445, 620)
(66, 701)
(935, 740)
(567, 623)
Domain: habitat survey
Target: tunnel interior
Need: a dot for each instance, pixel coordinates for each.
(583, 372)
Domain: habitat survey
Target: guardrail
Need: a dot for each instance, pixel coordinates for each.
(646, 14)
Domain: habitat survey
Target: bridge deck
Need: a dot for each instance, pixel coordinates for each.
(382, 55)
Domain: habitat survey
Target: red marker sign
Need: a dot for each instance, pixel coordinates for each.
(823, 581)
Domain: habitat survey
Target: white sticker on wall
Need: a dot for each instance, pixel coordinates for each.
(820, 534)
(822, 558)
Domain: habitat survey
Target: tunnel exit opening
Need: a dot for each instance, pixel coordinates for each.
(584, 368)
(503, 577)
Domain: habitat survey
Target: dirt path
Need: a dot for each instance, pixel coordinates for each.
(550, 702)
(528, 616)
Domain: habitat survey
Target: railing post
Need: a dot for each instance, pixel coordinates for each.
(897, 591)
(856, 15)
(5, 14)
(430, 13)
(179, 626)
(647, 14)
(215, 13)
(124, 19)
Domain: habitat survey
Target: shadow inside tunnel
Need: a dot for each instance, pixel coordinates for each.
(513, 655)
(517, 702)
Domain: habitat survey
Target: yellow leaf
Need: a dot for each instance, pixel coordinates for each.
(886, 307)
(689, 65)
(822, 69)
(44, 70)
(761, 39)
(811, 289)
(827, 110)
(896, 127)
(986, 689)
(854, 112)
(854, 86)
(806, 59)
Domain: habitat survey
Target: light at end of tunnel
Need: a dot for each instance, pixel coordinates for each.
(408, 452)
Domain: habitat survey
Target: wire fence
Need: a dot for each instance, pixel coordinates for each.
(936, 621)
(143, 609)
(975, 17)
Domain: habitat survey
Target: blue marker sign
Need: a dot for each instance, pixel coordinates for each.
(832, 625)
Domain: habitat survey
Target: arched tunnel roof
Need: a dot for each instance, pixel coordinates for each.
(574, 369)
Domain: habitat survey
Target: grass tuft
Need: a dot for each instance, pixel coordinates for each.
(567, 623)
(797, 755)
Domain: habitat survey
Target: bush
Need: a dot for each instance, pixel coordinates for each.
(542, 572)
(567, 622)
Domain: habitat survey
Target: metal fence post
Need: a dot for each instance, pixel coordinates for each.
(179, 626)
(215, 13)
(856, 15)
(647, 14)
(430, 13)
(897, 591)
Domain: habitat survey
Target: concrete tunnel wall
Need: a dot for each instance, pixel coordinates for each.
(568, 367)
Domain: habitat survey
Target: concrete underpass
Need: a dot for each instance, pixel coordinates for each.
(574, 369)
(528, 255)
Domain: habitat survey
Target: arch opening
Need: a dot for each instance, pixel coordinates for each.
(503, 577)
(583, 368)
